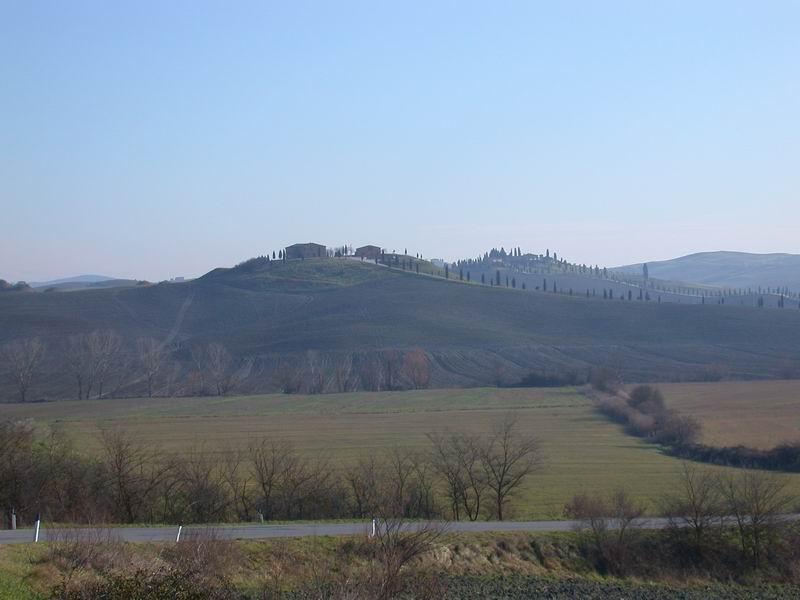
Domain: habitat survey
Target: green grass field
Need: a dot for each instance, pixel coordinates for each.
(585, 451)
(754, 413)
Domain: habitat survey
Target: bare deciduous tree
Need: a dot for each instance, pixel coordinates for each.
(79, 362)
(364, 481)
(122, 372)
(315, 379)
(270, 461)
(203, 487)
(417, 368)
(458, 458)
(23, 358)
(289, 377)
(133, 473)
(398, 543)
(757, 501)
(215, 364)
(343, 377)
(239, 482)
(391, 362)
(609, 525)
(303, 480)
(424, 502)
(103, 348)
(152, 356)
(696, 505)
(370, 372)
(508, 459)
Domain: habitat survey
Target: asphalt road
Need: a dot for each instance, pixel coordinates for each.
(258, 532)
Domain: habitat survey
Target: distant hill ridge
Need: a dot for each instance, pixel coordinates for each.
(727, 269)
(74, 279)
(343, 324)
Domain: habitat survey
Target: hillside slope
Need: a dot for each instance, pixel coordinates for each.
(341, 318)
(728, 269)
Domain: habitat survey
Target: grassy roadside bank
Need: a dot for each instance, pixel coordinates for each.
(502, 566)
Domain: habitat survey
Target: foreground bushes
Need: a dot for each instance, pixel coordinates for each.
(719, 530)
(718, 527)
(506, 567)
(167, 587)
(525, 588)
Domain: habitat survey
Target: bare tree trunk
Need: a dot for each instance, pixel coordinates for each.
(24, 358)
(152, 357)
(508, 459)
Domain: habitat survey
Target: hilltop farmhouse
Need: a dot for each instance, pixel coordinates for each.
(308, 250)
(368, 252)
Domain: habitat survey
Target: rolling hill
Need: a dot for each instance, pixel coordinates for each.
(81, 282)
(727, 269)
(77, 280)
(352, 325)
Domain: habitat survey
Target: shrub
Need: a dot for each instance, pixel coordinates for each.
(605, 380)
(647, 399)
(142, 585)
(551, 379)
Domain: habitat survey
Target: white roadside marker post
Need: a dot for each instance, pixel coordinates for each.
(374, 526)
(178, 539)
(38, 522)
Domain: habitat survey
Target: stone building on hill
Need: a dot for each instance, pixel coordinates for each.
(309, 250)
(368, 252)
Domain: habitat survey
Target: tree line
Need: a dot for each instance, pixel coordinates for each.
(645, 414)
(458, 475)
(101, 364)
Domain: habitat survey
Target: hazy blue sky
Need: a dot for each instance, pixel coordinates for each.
(167, 138)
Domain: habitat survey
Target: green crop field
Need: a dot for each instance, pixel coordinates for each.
(584, 450)
(754, 413)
